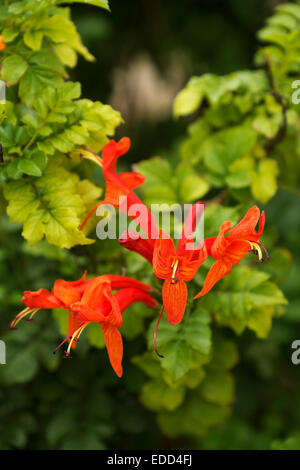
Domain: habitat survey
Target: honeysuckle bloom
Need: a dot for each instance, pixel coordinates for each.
(87, 301)
(229, 250)
(121, 185)
(178, 266)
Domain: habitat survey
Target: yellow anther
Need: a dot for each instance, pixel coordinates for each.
(75, 336)
(174, 265)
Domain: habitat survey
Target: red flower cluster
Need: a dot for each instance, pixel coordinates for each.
(93, 300)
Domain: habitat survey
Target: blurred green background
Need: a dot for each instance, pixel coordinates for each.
(146, 50)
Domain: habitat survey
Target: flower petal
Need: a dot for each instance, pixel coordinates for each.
(128, 296)
(65, 292)
(114, 346)
(174, 299)
(132, 179)
(246, 227)
(218, 270)
(221, 242)
(112, 151)
(41, 298)
(163, 253)
(135, 242)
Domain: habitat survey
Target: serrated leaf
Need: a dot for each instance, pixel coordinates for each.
(246, 298)
(48, 207)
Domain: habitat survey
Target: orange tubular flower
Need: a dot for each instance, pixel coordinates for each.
(2, 43)
(89, 301)
(177, 266)
(229, 250)
(121, 184)
(98, 304)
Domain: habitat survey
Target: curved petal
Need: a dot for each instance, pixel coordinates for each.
(236, 251)
(163, 253)
(174, 299)
(98, 303)
(41, 298)
(114, 346)
(128, 296)
(221, 242)
(97, 291)
(112, 151)
(135, 242)
(65, 292)
(132, 179)
(218, 270)
(246, 227)
(189, 269)
(119, 282)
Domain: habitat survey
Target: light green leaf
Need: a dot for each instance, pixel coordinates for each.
(48, 207)
(218, 387)
(264, 180)
(13, 68)
(196, 331)
(157, 395)
(176, 359)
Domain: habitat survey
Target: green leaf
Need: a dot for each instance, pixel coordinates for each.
(193, 418)
(176, 359)
(157, 395)
(189, 99)
(218, 387)
(192, 186)
(34, 81)
(226, 146)
(149, 363)
(160, 183)
(13, 68)
(246, 298)
(264, 180)
(196, 331)
(33, 39)
(29, 167)
(48, 207)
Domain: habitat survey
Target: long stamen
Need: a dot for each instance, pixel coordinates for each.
(256, 248)
(259, 252)
(75, 337)
(155, 333)
(265, 250)
(21, 315)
